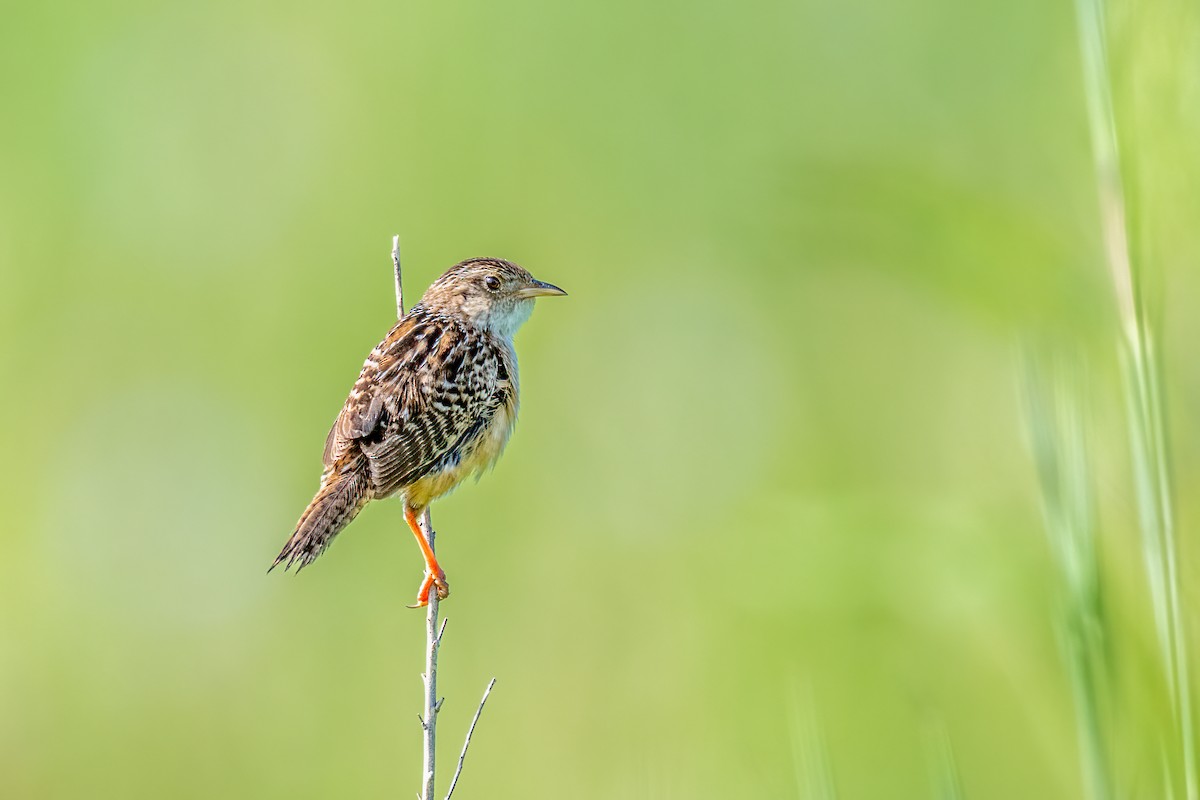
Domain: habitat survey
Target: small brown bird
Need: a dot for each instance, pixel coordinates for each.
(435, 402)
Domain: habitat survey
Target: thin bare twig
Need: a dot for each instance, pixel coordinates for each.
(470, 732)
(396, 271)
(433, 640)
(433, 634)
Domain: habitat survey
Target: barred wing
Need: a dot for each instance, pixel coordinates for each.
(425, 394)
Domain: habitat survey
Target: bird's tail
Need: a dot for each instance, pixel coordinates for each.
(345, 489)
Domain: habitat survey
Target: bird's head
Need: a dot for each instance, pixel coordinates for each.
(490, 293)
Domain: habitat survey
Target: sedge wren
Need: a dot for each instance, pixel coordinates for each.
(435, 402)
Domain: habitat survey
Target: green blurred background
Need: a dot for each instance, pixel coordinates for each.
(770, 475)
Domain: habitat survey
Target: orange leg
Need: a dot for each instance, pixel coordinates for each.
(434, 576)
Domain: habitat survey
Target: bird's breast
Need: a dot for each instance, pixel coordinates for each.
(493, 439)
(475, 456)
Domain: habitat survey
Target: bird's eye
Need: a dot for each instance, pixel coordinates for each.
(491, 282)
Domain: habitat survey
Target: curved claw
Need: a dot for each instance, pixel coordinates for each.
(429, 582)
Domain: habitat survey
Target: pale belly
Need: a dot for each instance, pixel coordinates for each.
(480, 458)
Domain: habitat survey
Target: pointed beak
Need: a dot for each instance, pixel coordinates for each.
(539, 289)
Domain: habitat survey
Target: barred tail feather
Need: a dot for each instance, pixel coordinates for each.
(338, 501)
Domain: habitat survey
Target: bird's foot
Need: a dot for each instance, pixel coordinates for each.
(432, 580)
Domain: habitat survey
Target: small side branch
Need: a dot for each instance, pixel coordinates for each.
(470, 732)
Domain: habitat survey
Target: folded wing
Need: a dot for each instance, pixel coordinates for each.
(424, 396)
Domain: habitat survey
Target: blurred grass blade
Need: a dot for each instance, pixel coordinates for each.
(1142, 380)
(1057, 433)
(810, 753)
(1156, 520)
(946, 776)
(1102, 126)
